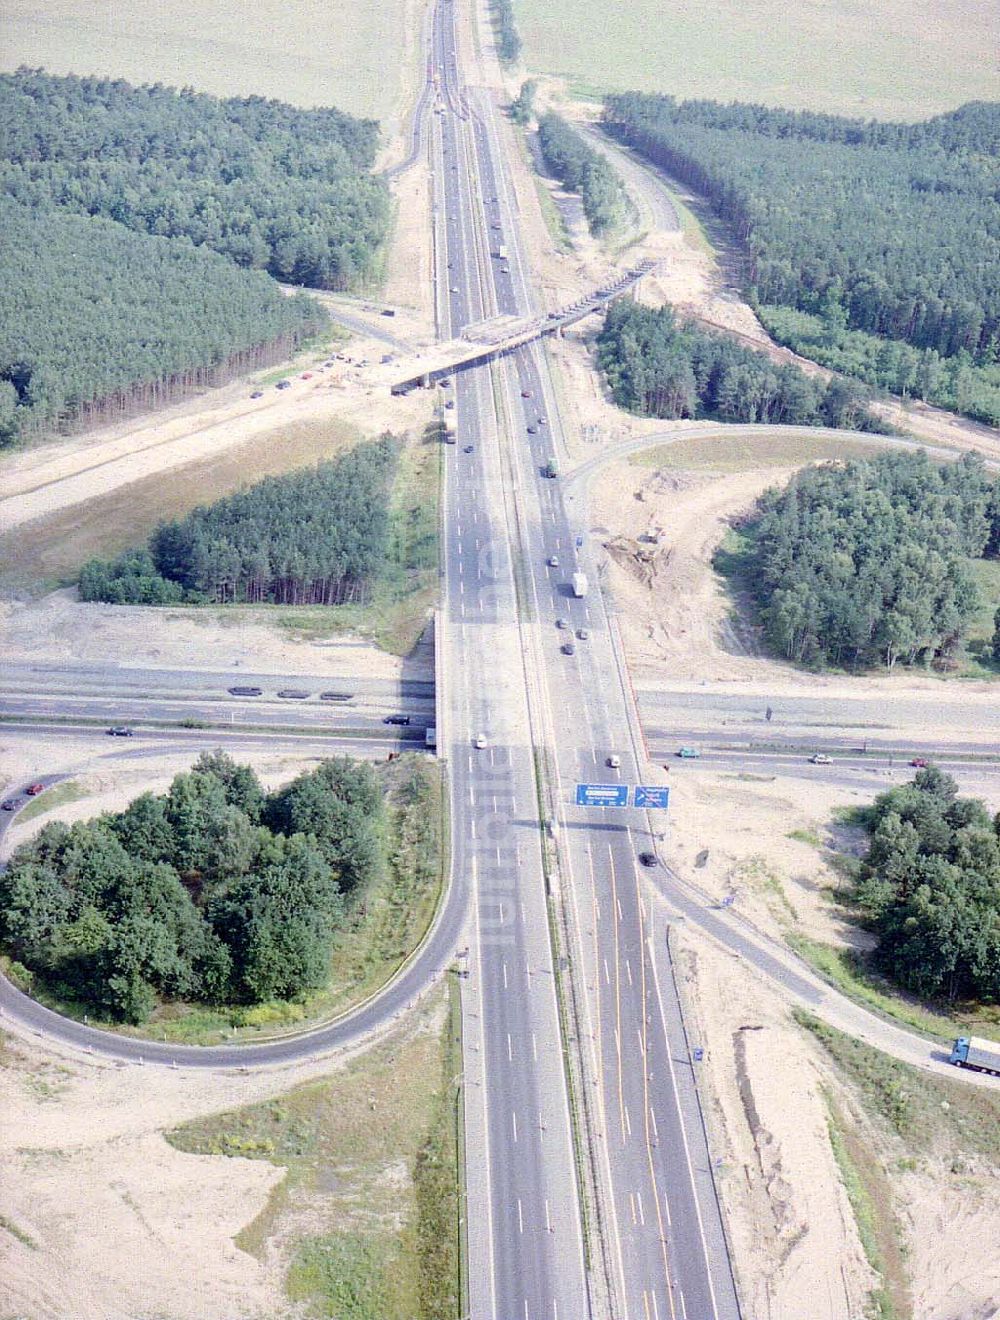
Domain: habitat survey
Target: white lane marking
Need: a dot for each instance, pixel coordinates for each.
(500, 909)
(628, 1121)
(534, 1047)
(548, 1221)
(520, 1224)
(687, 1149)
(607, 973)
(666, 1206)
(652, 1119)
(684, 1304)
(510, 1049)
(523, 917)
(505, 976)
(642, 1216)
(618, 904)
(656, 1307)
(628, 970)
(472, 828)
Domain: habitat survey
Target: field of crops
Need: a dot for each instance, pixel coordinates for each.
(309, 53)
(888, 59)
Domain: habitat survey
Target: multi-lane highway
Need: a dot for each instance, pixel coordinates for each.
(589, 1183)
(541, 675)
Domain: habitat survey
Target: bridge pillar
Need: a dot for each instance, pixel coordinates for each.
(425, 381)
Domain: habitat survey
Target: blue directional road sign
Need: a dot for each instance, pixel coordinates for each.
(651, 795)
(602, 795)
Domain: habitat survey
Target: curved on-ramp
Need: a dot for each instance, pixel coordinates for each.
(422, 968)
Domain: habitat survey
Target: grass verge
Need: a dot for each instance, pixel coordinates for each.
(59, 795)
(552, 216)
(747, 453)
(864, 1183)
(371, 1165)
(928, 1113)
(844, 969)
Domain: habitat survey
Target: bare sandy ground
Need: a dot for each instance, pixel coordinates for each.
(60, 628)
(795, 1237)
(796, 1242)
(101, 1219)
(674, 611)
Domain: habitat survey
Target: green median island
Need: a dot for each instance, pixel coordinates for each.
(218, 905)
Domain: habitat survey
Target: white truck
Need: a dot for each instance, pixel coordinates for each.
(579, 584)
(973, 1052)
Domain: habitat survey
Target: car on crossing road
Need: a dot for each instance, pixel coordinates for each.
(820, 758)
(10, 804)
(119, 731)
(34, 789)
(649, 859)
(920, 762)
(688, 753)
(396, 719)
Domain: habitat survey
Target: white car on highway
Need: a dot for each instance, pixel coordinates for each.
(481, 741)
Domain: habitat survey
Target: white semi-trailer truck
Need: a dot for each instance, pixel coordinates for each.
(579, 584)
(970, 1052)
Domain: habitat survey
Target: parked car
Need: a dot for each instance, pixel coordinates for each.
(449, 403)
(119, 731)
(257, 394)
(307, 375)
(283, 385)
(820, 758)
(396, 719)
(33, 790)
(10, 804)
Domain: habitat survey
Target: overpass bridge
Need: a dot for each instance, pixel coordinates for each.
(490, 339)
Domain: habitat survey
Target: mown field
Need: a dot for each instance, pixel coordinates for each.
(310, 53)
(890, 59)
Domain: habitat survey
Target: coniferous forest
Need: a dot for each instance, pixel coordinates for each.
(213, 892)
(96, 321)
(865, 563)
(314, 537)
(888, 230)
(141, 225)
(583, 170)
(658, 367)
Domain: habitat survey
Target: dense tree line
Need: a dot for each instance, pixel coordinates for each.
(268, 185)
(314, 537)
(892, 228)
(508, 37)
(213, 892)
(890, 364)
(658, 367)
(866, 562)
(930, 888)
(96, 321)
(523, 105)
(583, 170)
